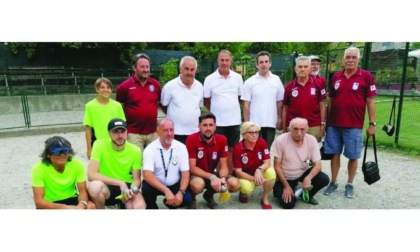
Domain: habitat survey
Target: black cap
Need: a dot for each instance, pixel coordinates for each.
(117, 123)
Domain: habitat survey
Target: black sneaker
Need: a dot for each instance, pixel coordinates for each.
(210, 200)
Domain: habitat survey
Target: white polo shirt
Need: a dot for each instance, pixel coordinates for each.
(175, 158)
(224, 95)
(183, 105)
(263, 95)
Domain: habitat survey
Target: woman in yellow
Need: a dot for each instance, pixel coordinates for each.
(59, 180)
(251, 161)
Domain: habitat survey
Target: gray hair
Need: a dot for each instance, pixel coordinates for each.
(303, 58)
(351, 49)
(187, 58)
(297, 120)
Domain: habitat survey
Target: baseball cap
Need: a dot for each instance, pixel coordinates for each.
(117, 123)
(313, 57)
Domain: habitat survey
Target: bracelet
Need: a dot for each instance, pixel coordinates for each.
(84, 203)
(182, 191)
(212, 177)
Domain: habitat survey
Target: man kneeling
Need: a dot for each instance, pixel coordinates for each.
(297, 159)
(166, 170)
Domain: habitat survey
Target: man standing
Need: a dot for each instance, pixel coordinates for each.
(304, 97)
(315, 64)
(297, 159)
(351, 92)
(207, 152)
(114, 169)
(140, 96)
(166, 170)
(182, 98)
(262, 96)
(222, 91)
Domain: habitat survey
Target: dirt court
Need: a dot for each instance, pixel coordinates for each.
(396, 189)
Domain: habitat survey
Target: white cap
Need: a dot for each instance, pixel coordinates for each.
(313, 57)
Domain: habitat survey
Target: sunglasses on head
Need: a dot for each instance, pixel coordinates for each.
(59, 150)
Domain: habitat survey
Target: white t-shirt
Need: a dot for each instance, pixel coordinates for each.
(263, 95)
(175, 158)
(224, 95)
(183, 105)
(294, 158)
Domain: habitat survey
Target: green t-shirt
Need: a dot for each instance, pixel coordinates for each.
(116, 164)
(58, 186)
(98, 115)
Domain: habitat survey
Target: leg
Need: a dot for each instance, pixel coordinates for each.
(278, 192)
(269, 176)
(98, 192)
(150, 195)
(136, 139)
(352, 168)
(318, 182)
(335, 167)
(232, 183)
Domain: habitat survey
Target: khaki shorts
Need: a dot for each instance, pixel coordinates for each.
(141, 140)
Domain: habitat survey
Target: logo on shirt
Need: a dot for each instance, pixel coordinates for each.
(355, 86)
(151, 88)
(323, 91)
(295, 93)
(266, 151)
(174, 160)
(226, 148)
(313, 91)
(372, 88)
(214, 156)
(244, 159)
(336, 85)
(259, 155)
(200, 154)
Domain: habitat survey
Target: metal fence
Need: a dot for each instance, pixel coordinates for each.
(395, 73)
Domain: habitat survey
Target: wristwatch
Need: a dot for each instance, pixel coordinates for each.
(372, 123)
(182, 191)
(84, 203)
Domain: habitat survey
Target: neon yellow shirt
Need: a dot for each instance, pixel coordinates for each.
(58, 186)
(98, 115)
(117, 164)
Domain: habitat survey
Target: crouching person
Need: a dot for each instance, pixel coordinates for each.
(297, 159)
(114, 170)
(166, 170)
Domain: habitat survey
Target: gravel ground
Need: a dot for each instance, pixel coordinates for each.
(399, 175)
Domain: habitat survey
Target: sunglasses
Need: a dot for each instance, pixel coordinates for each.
(59, 151)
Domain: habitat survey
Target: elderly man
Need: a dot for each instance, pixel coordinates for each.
(304, 97)
(182, 98)
(351, 92)
(297, 159)
(166, 170)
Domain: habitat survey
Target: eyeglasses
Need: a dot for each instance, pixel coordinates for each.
(253, 132)
(59, 151)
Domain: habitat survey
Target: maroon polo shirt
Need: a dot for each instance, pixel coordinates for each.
(140, 104)
(250, 160)
(303, 101)
(349, 96)
(207, 155)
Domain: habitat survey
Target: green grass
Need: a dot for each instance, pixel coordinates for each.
(409, 133)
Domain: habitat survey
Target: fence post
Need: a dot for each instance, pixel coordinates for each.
(25, 108)
(7, 85)
(400, 104)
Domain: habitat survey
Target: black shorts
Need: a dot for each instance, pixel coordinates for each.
(114, 191)
(232, 133)
(73, 201)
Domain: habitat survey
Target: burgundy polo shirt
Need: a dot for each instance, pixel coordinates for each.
(207, 155)
(303, 101)
(349, 96)
(250, 160)
(140, 104)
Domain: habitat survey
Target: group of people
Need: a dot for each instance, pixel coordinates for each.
(134, 157)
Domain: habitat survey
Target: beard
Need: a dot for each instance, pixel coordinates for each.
(206, 136)
(117, 144)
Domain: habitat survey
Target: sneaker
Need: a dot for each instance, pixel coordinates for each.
(331, 188)
(243, 198)
(210, 200)
(349, 191)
